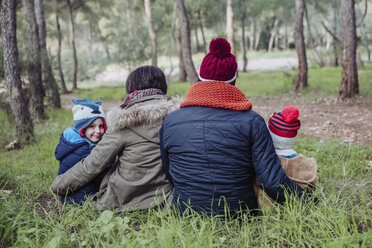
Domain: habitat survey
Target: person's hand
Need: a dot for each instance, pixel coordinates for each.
(56, 186)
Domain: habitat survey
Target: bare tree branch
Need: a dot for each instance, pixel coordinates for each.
(322, 21)
(364, 14)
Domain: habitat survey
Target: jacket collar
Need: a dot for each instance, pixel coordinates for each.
(142, 111)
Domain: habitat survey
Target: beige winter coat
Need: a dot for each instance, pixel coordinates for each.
(137, 181)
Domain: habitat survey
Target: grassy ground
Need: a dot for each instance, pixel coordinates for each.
(30, 217)
(322, 83)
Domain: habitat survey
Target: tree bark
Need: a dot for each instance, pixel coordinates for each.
(72, 30)
(202, 31)
(63, 83)
(154, 46)
(243, 42)
(349, 83)
(286, 40)
(20, 112)
(336, 45)
(197, 39)
(252, 38)
(316, 54)
(47, 72)
(300, 47)
(181, 66)
(185, 42)
(229, 25)
(272, 36)
(257, 36)
(34, 61)
(364, 34)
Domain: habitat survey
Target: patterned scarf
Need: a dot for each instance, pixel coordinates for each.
(141, 93)
(216, 94)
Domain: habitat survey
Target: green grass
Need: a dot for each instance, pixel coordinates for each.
(342, 218)
(107, 93)
(322, 83)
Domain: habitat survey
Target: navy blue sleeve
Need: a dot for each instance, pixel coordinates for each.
(271, 176)
(164, 154)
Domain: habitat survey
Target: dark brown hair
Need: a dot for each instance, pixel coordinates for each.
(146, 77)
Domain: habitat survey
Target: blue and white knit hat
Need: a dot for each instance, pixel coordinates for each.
(85, 112)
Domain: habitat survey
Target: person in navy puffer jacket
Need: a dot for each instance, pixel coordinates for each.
(76, 143)
(214, 145)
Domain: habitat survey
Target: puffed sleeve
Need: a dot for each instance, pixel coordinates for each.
(88, 168)
(271, 176)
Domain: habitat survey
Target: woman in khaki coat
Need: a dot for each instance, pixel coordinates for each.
(137, 180)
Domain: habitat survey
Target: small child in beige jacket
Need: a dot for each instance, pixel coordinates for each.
(283, 127)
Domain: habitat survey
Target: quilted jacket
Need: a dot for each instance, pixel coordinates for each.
(71, 149)
(137, 181)
(212, 156)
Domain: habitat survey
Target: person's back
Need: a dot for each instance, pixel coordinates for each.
(76, 143)
(215, 144)
(137, 180)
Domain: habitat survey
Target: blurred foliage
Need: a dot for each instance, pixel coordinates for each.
(114, 32)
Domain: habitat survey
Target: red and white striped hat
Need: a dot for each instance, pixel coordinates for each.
(286, 123)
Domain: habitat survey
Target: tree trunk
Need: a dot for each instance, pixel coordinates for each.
(34, 61)
(229, 25)
(276, 40)
(72, 30)
(185, 42)
(257, 37)
(181, 65)
(336, 47)
(154, 46)
(272, 36)
(197, 39)
(243, 42)
(252, 38)
(316, 54)
(300, 46)
(349, 83)
(63, 83)
(202, 31)
(20, 112)
(47, 72)
(286, 40)
(364, 34)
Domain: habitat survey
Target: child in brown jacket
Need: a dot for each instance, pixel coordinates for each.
(283, 127)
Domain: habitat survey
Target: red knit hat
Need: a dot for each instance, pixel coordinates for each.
(219, 64)
(286, 123)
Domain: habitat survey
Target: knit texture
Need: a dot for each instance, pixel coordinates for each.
(141, 93)
(216, 94)
(86, 111)
(219, 64)
(286, 123)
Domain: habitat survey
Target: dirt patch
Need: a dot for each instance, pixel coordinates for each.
(46, 203)
(349, 120)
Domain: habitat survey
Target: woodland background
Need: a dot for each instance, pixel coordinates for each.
(313, 54)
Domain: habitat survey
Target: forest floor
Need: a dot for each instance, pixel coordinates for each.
(323, 119)
(351, 120)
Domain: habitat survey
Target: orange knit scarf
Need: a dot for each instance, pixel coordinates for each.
(216, 94)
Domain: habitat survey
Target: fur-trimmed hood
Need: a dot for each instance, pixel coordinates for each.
(143, 111)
